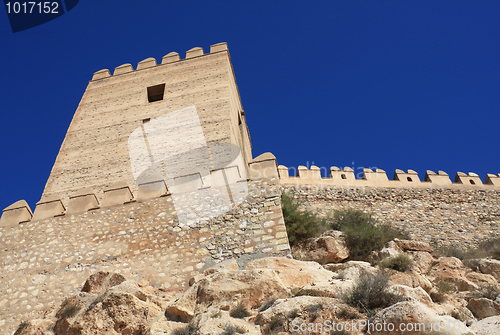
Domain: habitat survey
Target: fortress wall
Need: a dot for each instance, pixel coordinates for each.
(445, 216)
(432, 208)
(95, 152)
(41, 262)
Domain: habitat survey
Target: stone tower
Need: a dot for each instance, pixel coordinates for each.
(97, 150)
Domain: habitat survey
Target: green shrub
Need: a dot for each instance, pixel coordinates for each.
(401, 263)
(491, 247)
(460, 253)
(239, 311)
(231, 329)
(369, 293)
(300, 224)
(277, 324)
(363, 233)
(23, 325)
(346, 313)
(190, 329)
(70, 310)
(267, 305)
(442, 288)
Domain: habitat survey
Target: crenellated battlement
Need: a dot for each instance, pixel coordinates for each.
(116, 194)
(172, 57)
(378, 178)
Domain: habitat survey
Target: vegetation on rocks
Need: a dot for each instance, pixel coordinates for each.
(369, 293)
(239, 311)
(401, 262)
(300, 224)
(363, 233)
(487, 248)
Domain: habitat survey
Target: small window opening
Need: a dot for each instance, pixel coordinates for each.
(155, 93)
(408, 178)
(146, 120)
(472, 182)
(343, 176)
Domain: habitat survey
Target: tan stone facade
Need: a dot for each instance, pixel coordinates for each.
(95, 151)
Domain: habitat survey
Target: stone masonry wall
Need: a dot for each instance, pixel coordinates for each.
(440, 215)
(41, 262)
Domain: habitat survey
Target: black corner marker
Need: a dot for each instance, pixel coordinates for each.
(28, 14)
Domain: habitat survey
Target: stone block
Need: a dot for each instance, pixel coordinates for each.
(283, 172)
(470, 179)
(16, 213)
(82, 201)
(263, 167)
(125, 68)
(49, 206)
(441, 178)
(194, 52)
(408, 177)
(104, 73)
(152, 190)
(218, 47)
(492, 179)
(147, 63)
(378, 174)
(170, 58)
(347, 173)
(117, 194)
(313, 173)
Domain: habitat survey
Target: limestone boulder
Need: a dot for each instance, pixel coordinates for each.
(161, 326)
(36, 327)
(410, 293)
(351, 270)
(409, 245)
(332, 289)
(453, 271)
(391, 249)
(491, 267)
(293, 273)
(330, 247)
(122, 309)
(483, 307)
(216, 321)
(101, 281)
(487, 326)
(287, 315)
(422, 320)
(483, 280)
(410, 279)
(250, 287)
(229, 264)
(422, 261)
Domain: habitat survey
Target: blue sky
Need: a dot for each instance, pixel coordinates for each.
(386, 84)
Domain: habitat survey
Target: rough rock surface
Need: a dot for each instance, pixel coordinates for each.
(488, 326)
(251, 287)
(490, 266)
(330, 247)
(452, 270)
(411, 279)
(286, 315)
(415, 314)
(410, 293)
(410, 245)
(483, 308)
(351, 270)
(294, 274)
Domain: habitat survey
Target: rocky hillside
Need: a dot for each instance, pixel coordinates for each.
(404, 289)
